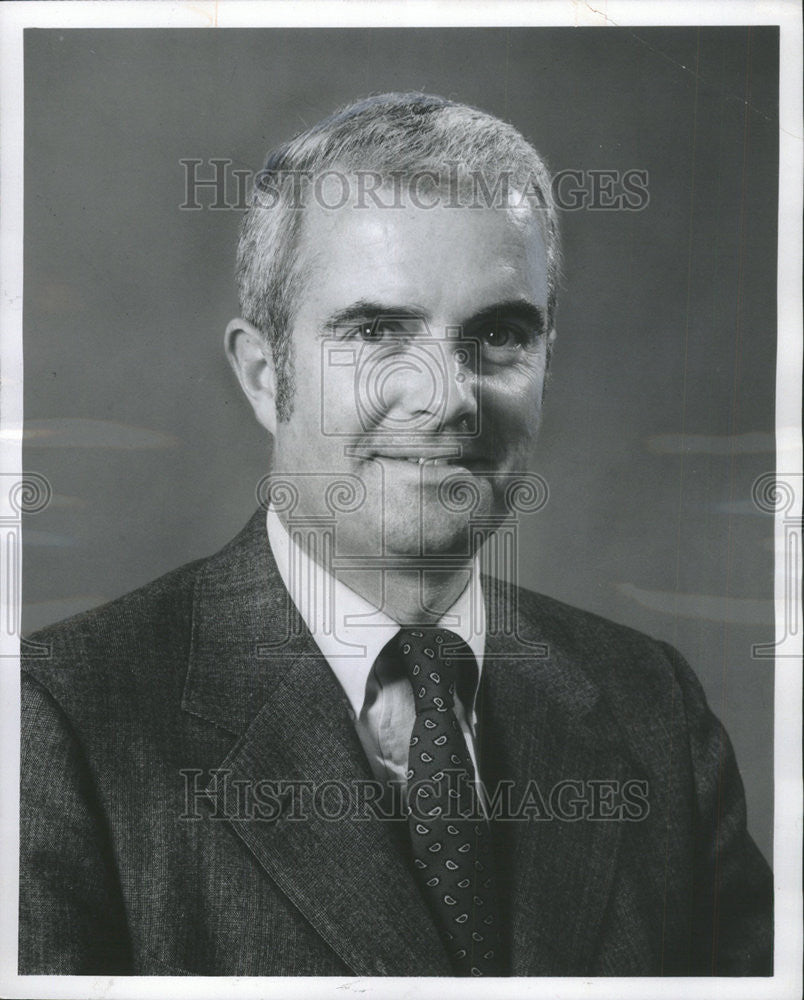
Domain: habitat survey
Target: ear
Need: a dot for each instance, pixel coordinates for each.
(252, 360)
(548, 372)
(551, 339)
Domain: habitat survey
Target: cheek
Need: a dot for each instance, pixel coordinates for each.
(512, 405)
(324, 391)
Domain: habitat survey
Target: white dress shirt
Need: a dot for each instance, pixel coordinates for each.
(351, 633)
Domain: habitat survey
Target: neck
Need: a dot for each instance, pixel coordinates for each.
(410, 597)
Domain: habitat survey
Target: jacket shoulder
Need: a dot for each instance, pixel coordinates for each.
(623, 661)
(153, 621)
(578, 630)
(136, 646)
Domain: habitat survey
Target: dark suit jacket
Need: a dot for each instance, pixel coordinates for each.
(146, 697)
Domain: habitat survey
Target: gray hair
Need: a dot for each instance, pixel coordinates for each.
(393, 135)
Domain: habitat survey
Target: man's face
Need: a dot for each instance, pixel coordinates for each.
(419, 334)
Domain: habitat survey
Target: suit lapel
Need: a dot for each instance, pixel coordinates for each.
(255, 670)
(545, 724)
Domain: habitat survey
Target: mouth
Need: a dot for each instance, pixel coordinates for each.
(445, 455)
(470, 463)
(422, 460)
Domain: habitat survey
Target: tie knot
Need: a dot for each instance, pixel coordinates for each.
(430, 655)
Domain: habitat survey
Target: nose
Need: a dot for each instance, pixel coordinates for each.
(460, 386)
(432, 387)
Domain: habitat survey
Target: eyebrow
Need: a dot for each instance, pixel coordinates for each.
(520, 309)
(365, 309)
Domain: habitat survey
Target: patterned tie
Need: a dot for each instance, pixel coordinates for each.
(450, 837)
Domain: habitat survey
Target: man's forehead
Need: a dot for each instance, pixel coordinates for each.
(421, 192)
(412, 254)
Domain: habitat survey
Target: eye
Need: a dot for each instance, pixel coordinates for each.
(370, 332)
(381, 329)
(503, 342)
(499, 336)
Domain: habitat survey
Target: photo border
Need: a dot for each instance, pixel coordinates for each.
(782, 493)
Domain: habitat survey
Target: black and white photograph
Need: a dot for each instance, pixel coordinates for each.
(401, 499)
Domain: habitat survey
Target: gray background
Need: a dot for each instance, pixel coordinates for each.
(660, 413)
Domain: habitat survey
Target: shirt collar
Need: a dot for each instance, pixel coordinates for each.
(349, 630)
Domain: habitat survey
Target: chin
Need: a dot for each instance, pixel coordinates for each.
(440, 535)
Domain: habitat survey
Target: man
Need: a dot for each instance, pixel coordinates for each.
(334, 748)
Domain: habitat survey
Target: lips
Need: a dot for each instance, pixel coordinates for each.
(456, 461)
(426, 452)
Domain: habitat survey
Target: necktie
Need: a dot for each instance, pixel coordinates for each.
(450, 837)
